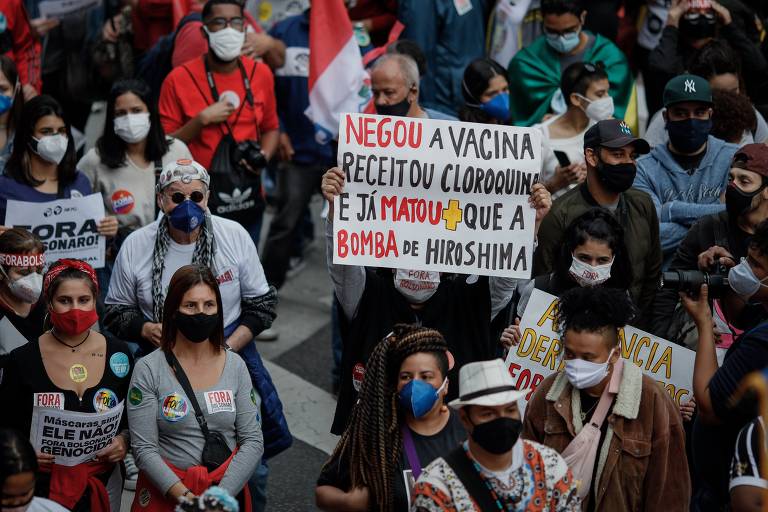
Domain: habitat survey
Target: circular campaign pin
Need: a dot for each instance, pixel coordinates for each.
(174, 407)
(78, 373)
(119, 365)
(104, 399)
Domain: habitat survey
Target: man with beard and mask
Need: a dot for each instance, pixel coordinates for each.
(719, 418)
(610, 151)
(187, 233)
(207, 100)
(374, 300)
(686, 177)
(722, 239)
(619, 431)
(494, 469)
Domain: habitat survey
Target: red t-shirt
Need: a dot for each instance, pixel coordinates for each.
(185, 93)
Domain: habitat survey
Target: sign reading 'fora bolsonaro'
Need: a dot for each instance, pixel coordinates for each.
(446, 196)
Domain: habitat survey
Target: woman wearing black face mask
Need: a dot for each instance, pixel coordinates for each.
(191, 405)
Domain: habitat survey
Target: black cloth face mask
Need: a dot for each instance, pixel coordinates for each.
(497, 436)
(198, 327)
(617, 178)
(399, 109)
(738, 202)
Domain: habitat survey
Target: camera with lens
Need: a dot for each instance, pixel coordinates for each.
(250, 152)
(690, 281)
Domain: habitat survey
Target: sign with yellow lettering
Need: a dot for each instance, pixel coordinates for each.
(538, 354)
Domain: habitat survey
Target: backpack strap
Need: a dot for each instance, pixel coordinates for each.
(473, 482)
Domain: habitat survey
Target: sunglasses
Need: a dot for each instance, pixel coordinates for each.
(179, 197)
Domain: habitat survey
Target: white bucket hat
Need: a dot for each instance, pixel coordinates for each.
(486, 383)
(184, 170)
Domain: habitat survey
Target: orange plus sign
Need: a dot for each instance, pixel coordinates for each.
(452, 214)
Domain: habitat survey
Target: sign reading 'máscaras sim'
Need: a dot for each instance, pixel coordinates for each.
(447, 196)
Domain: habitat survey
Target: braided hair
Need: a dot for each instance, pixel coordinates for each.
(372, 441)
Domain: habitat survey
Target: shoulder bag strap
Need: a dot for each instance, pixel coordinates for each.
(410, 451)
(187, 387)
(473, 483)
(606, 399)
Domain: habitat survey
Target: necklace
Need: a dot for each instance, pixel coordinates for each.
(500, 502)
(584, 413)
(73, 347)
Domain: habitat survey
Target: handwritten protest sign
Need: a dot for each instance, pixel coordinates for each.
(424, 194)
(537, 355)
(73, 437)
(67, 227)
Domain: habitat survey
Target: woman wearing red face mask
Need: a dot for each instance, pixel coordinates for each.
(71, 368)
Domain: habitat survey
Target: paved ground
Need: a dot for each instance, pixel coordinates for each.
(300, 364)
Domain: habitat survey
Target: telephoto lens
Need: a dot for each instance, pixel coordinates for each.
(690, 281)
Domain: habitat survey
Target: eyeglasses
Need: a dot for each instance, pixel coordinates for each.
(195, 197)
(217, 24)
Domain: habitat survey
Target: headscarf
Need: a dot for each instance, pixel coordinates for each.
(62, 265)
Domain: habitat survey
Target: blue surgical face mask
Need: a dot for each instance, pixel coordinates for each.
(5, 103)
(187, 216)
(564, 43)
(419, 397)
(497, 107)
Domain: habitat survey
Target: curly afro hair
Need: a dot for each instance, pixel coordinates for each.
(733, 115)
(593, 310)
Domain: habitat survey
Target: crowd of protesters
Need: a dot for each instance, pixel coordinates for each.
(654, 162)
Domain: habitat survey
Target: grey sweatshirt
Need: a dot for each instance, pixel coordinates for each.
(164, 428)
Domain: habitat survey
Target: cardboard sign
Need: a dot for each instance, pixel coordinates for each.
(73, 437)
(538, 354)
(423, 194)
(67, 227)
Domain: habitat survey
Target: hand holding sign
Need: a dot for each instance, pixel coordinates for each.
(115, 452)
(332, 186)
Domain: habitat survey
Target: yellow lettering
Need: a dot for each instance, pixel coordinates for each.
(665, 360)
(530, 335)
(680, 394)
(650, 357)
(644, 341)
(625, 350)
(549, 314)
(539, 348)
(551, 358)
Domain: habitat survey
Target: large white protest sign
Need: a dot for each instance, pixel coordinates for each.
(538, 354)
(424, 194)
(67, 227)
(64, 8)
(73, 437)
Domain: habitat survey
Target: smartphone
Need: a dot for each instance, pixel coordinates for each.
(562, 158)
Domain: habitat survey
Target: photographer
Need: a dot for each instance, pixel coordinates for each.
(223, 107)
(718, 422)
(718, 242)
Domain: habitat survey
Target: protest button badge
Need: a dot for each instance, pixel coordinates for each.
(175, 407)
(78, 373)
(119, 365)
(104, 399)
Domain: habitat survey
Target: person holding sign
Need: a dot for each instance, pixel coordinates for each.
(461, 307)
(409, 366)
(494, 469)
(610, 151)
(42, 166)
(613, 425)
(18, 469)
(193, 412)
(21, 282)
(593, 254)
(71, 368)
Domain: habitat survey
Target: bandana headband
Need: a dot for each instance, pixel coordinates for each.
(62, 265)
(22, 260)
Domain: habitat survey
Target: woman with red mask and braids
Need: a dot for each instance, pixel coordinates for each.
(73, 368)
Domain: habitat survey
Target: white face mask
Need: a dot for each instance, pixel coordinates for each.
(27, 288)
(585, 374)
(52, 148)
(132, 128)
(587, 275)
(743, 280)
(226, 43)
(599, 110)
(417, 286)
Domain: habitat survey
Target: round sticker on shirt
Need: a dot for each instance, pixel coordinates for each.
(144, 497)
(265, 11)
(122, 202)
(230, 97)
(119, 364)
(78, 373)
(174, 407)
(357, 376)
(254, 397)
(134, 396)
(104, 399)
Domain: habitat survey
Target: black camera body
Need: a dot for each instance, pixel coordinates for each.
(690, 281)
(250, 152)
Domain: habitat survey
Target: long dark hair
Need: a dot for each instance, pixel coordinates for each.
(182, 281)
(477, 76)
(112, 148)
(372, 441)
(600, 225)
(19, 166)
(8, 67)
(16, 455)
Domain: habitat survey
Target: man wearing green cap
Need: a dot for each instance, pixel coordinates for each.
(686, 177)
